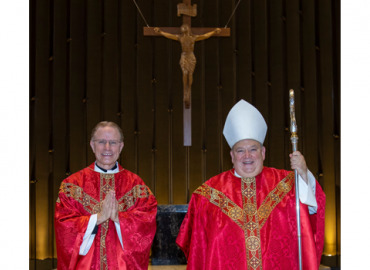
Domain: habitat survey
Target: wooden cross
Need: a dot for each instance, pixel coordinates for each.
(186, 19)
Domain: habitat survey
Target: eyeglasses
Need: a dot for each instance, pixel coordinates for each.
(104, 143)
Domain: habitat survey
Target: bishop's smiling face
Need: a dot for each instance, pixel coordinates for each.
(247, 157)
(106, 153)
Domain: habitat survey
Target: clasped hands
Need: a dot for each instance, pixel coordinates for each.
(297, 162)
(109, 209)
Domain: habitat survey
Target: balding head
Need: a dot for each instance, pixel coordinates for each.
(105, 124)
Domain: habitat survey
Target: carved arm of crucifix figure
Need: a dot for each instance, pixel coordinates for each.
(188, 60)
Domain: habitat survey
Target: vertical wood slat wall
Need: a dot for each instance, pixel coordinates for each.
(89, 62)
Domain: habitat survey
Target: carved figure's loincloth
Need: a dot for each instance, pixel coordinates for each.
(188, 62)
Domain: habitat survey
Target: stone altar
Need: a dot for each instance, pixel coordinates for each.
(164, 248)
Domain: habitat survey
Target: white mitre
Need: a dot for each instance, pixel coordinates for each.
(244, 121)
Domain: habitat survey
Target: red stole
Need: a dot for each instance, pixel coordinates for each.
(80, 196)
(235, 223)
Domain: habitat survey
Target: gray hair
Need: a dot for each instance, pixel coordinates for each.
(107, 124)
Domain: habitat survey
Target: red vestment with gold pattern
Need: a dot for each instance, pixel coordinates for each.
(250, 223)
(80, 196)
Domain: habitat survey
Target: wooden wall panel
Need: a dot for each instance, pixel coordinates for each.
(93, 70)
(287, 143)
(336, 7)
(276, 129)
(244, 50)
(32, 131)
(268, 72)
(293, 61)
(144, 78)
(234, 25)
(90, 62)
(77, 86)
(219, 96)
(211, 144)
(260, 57)
(110, 63)
(309, 127)
(162, 144)
(228, 96)
(196, 155)
(169, 90)
(119, 63)
(51, 114)
(59, 96)
(326, 70)
(128, 71)
(42, 128)
(85, 99)
(179, 153)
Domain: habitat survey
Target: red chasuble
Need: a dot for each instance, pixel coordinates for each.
(235, 223)
(80, 196)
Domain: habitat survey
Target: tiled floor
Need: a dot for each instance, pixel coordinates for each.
(183, 267)
(167, 267)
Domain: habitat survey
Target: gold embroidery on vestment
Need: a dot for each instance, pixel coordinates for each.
(250, 209)
(252, 230)
(89, 203)
(107, 184)
(92, 206)
(274, 197)
(219, 199)
(264, 211)
(129, 199)
(249, 218)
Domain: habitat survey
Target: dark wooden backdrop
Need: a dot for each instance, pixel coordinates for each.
(89, 62)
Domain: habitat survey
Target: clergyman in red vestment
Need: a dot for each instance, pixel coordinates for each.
(245, 218)
(104, 214)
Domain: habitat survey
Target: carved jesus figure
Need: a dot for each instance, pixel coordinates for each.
(188, 60)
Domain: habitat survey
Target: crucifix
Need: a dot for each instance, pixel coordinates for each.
(187, 36)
